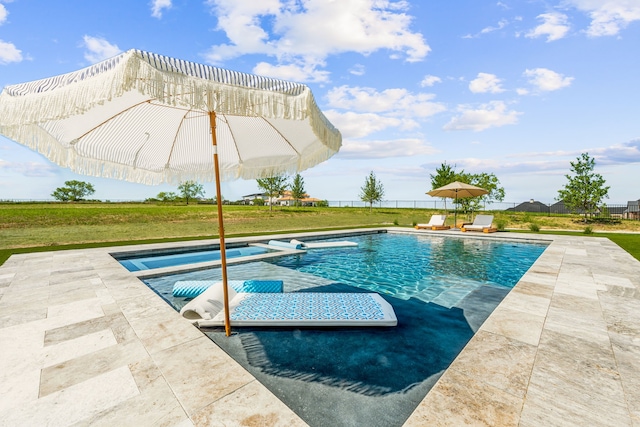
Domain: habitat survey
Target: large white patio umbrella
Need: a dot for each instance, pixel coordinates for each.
(456, 190)
(151, 119)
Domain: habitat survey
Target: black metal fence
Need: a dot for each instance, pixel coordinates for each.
(631, 210)
(616, 211)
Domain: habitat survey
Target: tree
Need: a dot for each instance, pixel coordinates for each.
(446, 174)
(489, 182)
(372, 191)
(190, 190)
(297, 189)
(585, 190)
(74, 191)
(274, 187)
(167, 197)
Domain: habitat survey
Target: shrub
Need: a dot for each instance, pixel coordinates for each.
(534, 227)
(588, 230)
(501, 224)
(395, 222)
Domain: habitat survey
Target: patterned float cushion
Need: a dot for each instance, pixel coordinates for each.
(193, 288)
(260, 286)
(308, 306)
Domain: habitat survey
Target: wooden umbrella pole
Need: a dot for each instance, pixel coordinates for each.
(223, 250)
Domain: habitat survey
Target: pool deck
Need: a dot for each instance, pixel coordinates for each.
(85, 342)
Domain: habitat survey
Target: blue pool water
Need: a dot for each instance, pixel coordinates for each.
(441, 288)
(429, 268)
(171, 260)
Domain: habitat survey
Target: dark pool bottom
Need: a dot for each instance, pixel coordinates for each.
(361, 376)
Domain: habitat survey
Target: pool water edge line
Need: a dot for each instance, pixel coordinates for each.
(264, 239)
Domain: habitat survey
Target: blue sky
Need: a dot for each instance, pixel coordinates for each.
(514, 88)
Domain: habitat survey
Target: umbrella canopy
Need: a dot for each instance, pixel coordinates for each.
(151, 119)
(456, 190)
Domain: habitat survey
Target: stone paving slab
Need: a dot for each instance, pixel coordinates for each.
(85, 342)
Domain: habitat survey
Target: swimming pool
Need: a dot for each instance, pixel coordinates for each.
(442, 289)
(151, 261)
(429, 268)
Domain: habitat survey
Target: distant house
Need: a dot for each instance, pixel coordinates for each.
(249, 198)
(633, 210)
(287, 200)
(561, 208)
(530, 206)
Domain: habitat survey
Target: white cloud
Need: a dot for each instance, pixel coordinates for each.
(9, 53)
(608, 17)
(625, 153)
(360, 125)
(293, 72)
(554, 26)
(493, 114)
(394, 102)
(3, 14)
(357, 70)
(384, 149)
(503, 23)
(430, 80)
(32, 169)
(157, 6)
(310, 31)
(99, 49)
(486, 30)
(546, 80)
(485, 83)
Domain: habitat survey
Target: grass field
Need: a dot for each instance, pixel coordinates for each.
(29, 227)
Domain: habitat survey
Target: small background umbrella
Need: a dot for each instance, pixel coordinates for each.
(151, 119)
(457, 190)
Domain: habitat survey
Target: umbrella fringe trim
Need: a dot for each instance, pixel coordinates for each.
(24, 108)
(74, 93)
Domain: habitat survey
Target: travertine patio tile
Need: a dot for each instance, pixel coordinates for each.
(65, 314)
(526, 303)
(19, 387)
(457, 400)
(180, 364)
(77, 402)
(66, 374)
(71, 349)
(5, 278)
(497, 361)
(145, 306)
(550, 402)
(548, 279)
(154, 405)
(515, 324)
(162, 331)
(20, 315)
(250, 405)
(535, 289)
(578, 364)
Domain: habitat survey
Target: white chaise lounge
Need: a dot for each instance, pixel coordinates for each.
(309, 309)
(435, 223)
(480, 223)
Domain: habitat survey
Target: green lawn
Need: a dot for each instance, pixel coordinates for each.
(32, 227)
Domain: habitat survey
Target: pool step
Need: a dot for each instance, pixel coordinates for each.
(451, 295)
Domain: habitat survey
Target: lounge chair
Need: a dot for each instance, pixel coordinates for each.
(480, 223)
(435, 223)
(289, 309)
